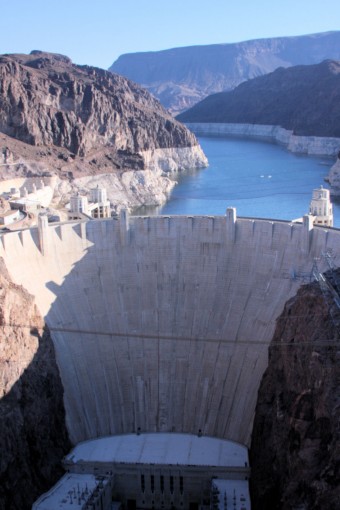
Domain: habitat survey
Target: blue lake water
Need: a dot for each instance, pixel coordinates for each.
(260, 179)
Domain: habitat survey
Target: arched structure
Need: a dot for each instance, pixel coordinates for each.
(161, 324)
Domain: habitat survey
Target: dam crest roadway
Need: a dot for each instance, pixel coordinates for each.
(162, 324)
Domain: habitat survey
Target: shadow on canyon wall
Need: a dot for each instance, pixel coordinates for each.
(295, 450)
(33, 436)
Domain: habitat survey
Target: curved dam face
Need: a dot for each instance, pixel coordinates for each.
(163, 323)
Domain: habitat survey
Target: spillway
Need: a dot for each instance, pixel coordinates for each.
(163, 323)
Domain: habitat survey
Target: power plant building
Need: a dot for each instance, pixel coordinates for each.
(82, 492)
(159, 471)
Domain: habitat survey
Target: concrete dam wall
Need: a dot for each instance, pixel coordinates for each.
(163, 323)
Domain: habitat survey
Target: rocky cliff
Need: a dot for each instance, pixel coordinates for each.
(304, 99)
(47, 100)
(334, 177)
(181, 77)
(33, 436)
(77, 121)
(295, 450)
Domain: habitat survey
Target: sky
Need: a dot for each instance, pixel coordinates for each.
(96, 32)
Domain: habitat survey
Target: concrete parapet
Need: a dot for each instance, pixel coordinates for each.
(308, 232)
(43, 233)
(231, 215)
(124, 225)
(231, 218)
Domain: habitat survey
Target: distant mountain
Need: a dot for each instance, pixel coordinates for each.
(181, 77)
(305, 99)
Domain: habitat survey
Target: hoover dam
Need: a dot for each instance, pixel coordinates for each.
(162, 324)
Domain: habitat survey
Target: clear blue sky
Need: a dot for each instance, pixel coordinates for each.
(96, 32)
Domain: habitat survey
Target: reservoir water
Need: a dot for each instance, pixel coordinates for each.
(260, 179)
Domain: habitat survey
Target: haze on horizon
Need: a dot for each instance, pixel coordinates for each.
(97, 33)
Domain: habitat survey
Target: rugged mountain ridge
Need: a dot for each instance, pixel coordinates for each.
(181, 77)
(47, 100)
(304, 99)
(295, 447)
(33, 435)
(79, 121)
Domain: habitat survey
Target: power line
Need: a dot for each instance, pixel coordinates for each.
(235, 342)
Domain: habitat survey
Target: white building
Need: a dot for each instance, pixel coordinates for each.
(233, 494)
(9, 216)
(31, 200)
(165, 470)
(98, 195)
(153, 471)
(321, 207)
(79, 204)
(84, 491)
(99, 204)
(97, 207)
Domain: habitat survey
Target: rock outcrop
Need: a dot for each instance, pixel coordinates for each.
(334, 177)
(47, 100)
(181, 77)
(33, 435)
(79, 121)
(295, 448)
(304, 99)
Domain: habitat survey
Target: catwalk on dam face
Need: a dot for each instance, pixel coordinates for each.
(163, 323)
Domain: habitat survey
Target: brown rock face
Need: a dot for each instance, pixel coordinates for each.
(46, 100)
(295, 450)
(304, 99)
(33, 436)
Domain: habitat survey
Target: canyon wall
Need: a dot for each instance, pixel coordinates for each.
(334, 177)
(295, 442)
(48, 101)
(33, 436)
(87, 126)
(311, 145)
(163, 323)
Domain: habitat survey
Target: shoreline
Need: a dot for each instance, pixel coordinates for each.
(310, 145)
